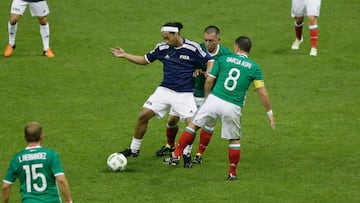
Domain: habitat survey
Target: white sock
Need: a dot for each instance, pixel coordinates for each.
(135, 145)
(12, 33)
(187, 149)
(312, 27)
(45, 35)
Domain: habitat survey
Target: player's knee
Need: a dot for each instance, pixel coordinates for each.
(43, 20)
(172, 120)
(145, 115)
(14, 19)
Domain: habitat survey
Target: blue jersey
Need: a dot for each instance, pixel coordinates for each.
(178, 64)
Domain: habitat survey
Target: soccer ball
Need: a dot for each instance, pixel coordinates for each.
(116, 162)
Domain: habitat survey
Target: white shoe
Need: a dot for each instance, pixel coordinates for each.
(296, 44)
(313, 52)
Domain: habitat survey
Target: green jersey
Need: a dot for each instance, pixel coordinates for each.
(234, 74)
(36, 168)
(199, 80)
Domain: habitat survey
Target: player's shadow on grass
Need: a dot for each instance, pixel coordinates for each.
(283, 51)
(288, 52)
(126, 170)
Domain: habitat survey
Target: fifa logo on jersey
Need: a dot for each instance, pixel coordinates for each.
(184, 57)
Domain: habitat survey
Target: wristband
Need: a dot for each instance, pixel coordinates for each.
(269, 113)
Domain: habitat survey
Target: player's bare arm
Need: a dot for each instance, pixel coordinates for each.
(209, 66)
(6, 192)
(209, 83)
(264, 98)
(64, 187)
(120, 53)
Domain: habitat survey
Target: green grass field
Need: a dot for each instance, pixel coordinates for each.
(88, 101)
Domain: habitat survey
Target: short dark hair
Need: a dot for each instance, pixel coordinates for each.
(244, 43)
(175, 24)
(212, 28)
(33, 132)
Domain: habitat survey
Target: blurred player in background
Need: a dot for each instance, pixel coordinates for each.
(179, 57)
(310, 8)
(212, 45)
(234, 74)
(38, 169)
(37, 8)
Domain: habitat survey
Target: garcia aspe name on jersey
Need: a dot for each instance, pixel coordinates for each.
(237, 61)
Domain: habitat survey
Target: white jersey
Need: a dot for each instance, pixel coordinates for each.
(301, 8)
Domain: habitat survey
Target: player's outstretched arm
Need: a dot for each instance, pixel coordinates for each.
(120, 53)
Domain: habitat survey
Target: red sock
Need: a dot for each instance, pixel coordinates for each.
(298, 30)
(314, 37)
(187, 137)
(234, 157)
(171, 135)
(205, 137)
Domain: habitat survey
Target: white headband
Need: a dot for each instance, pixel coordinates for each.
(169, 29)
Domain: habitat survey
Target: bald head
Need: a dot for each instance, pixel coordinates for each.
(33, 132)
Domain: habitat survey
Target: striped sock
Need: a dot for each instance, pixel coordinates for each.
(205, 137)
(234, 157)
(314, 32)
(187, 137)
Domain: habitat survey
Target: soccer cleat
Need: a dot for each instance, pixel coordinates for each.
(49, 53)
(127, 152)
(187, 161)
(296, 44)
(198, 159)
(9, 50)
(171, 161)
(231, 177)
(313, 52)
(165, 150)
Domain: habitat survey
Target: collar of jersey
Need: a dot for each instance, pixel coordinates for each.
(243, 55)
(33, 147)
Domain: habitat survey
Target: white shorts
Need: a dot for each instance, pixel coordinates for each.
(181, 103)
(229, 114)
(301, 8)
(198, 101)
(36, 8)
